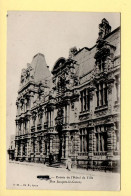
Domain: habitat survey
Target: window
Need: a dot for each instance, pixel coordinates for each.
(84, 140)
(85, 100)
(101, 94)
(101, 139)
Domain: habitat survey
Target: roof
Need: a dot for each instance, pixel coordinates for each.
(85, 56)
(41, 70)
(37, 71)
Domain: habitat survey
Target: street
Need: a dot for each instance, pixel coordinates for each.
(23, 175)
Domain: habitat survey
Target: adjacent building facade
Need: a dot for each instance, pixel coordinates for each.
(75, 110)
(11, 150)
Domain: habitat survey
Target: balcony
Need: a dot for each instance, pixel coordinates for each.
(83, 154)
(101, 109)
(101, 153)
(84, 115)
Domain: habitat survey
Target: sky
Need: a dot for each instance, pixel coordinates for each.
(49, 33)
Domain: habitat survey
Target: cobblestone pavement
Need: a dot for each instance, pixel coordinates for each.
(24, 175)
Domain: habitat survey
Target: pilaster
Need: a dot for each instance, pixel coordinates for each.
(110, 132)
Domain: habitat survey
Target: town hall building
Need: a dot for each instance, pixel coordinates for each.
(74, 110)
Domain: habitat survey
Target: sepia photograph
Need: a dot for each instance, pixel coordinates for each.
(63, 101)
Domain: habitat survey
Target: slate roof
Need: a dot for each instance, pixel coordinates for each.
(41, 70)
(85, 56)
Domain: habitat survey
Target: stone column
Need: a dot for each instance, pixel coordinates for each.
(29, 131)
(25, 126)
(29, 148)
(17, 130)
(63, 146)
(25, 102)
(36, 122)
(22, 128)
(110, 97)
(94, 140)
(36, 145)
(21, 146)
(68, 113)
(52, 117)
(43, 116)
(76, 146)
(93, 102)
(16, 149)
(48, 150)
(66, 146)
(64, 115)
(110, 131)
(36, 148)
(100, 95)
(114, 140)
(43, 145)
(99, 141)
(51, 143)
(32, 143)
(76, 142)
(91, 142)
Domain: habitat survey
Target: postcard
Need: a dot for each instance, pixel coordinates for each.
(63, 101)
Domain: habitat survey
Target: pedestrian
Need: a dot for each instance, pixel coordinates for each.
(68, 163)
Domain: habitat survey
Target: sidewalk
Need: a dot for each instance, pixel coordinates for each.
(62, 168)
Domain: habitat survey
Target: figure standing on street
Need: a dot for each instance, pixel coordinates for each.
(68, 163)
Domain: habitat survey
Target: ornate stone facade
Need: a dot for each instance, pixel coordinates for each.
(76, 111)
